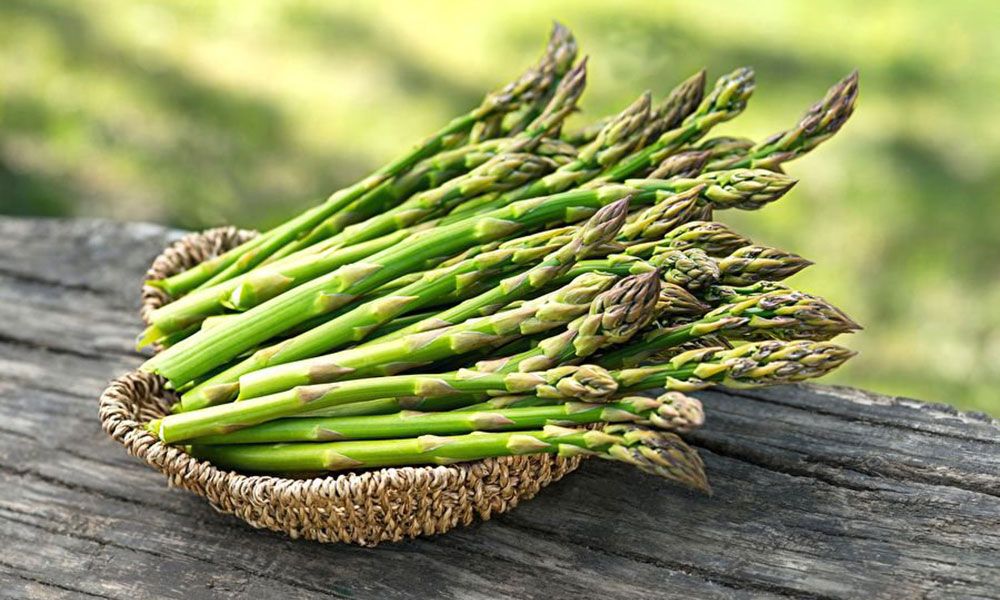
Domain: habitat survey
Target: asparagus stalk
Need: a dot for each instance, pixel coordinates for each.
(783, 314)
(759, 363)
(725, 101)
(513, 166)
(657, 452)
(420, 349)
(258, 285)
(429, 173)
(713, 238)
(359, 322)
(209, 349)
(818, 124)
(671, 411)
(614, 317)
(752, 264)
(616, 139)
(601, 228)
(254, 251)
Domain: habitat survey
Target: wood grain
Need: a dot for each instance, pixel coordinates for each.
(820, 492)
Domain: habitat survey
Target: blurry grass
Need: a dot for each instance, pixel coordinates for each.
(195, 114)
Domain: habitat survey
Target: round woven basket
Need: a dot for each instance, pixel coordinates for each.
(362, 508)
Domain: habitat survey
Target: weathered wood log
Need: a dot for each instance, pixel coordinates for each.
(820, 492)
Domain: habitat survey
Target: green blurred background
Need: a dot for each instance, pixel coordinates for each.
(200, 113)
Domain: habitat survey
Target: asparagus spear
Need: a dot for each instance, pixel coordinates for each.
(657, 452)
(779, 314)
(818, 124)
(206, 350)
(675, 107)
(265, 282)
(359, 322)
(254, 251)
(603, 227)
(713, 238)
(759, 363)
(671, 411)
(420, 349)
(559, 55)
(429, 173)
(618, 137)
(725, 101)
(513, 166)
(751, 264)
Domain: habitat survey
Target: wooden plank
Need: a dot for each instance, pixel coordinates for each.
(819, 492)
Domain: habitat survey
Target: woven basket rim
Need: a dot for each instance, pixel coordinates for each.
(363, 508)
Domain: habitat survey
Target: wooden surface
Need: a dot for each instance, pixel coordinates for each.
(819, 492)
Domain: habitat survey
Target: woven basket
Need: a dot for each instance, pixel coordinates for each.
(361, 508)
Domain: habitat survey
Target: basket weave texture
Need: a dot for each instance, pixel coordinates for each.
(362, 508)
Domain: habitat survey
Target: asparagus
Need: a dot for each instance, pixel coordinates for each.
(359, 322)
(208, 349)
(783, 314)
(713, 238)
(429, 173)
(420, 349)
(683, 164)
(818, 124)
(514, 166)
(247, 255)
(260, 284)
(657, 452)
(759, 363)
(559, 55)
(672, 411)
(614, 317)
(601, 228)
(725, 101)
(617, 138)
(675, 108)
(751, 264)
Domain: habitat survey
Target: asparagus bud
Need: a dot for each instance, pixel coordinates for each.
(678, 412)
(755, 364)
(751, 264)
(617, 314)
(692, 269)
(618, 137)
(659, 453)
(675, 107)
(683, 164)
(676, 303)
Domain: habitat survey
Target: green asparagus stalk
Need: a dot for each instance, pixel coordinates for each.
(818, 124)
(713, 238)
(359, 322)
(660, 453)
(420, 349)
(207, 350)
(430, 173)
(751, 264)
(683, 164)
(670, 113)
(724, 102)
(601, 228)
(245, 256)
(618, 137)
(773, 315)
(559, 55)
(673, 411)
(759, 363)
(585, 383)
(514, 166)
(259, 284)
(677, 106)
(614, 317)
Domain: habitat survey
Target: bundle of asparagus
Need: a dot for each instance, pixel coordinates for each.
(506, 288)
